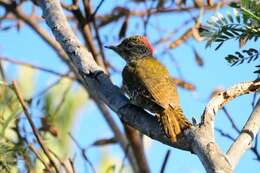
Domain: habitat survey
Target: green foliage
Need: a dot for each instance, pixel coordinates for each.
(9, 108)
(8, 152)
(243, 25)
(12, 148)
(221, 28)
(9, 105)
(250, 9)
(60, 106)
(246, 55)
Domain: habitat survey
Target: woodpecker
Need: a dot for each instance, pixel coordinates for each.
(149, 85)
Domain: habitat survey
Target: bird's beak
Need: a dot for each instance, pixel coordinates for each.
(114, 48)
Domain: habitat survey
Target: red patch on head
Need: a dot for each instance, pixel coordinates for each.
(147, 43)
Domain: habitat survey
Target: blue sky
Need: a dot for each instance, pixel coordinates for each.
(27, 46)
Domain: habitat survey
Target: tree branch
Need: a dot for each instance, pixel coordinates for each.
(199, 139)
(202, 136)
(246, 137)
(34, 129)
(222, 98)
(97, 82)
(14, 61)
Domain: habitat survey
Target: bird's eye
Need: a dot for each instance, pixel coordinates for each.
(129, 45)
(142, 50)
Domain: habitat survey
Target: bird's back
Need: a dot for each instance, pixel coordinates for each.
(150, 86)
(148, 80)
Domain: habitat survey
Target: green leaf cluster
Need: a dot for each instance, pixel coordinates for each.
(242, 25)
(56, 111)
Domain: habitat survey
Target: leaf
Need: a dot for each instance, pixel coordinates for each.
(220, 44)
(239, 54)
(234, 31)
(230, 34)
(224, 37)
(249, 56)
(230, 17)
(198, 58)
(219, 40)
(231, 58)
(237, 16)
(257, 71)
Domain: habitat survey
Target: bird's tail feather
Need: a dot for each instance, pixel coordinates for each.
(173, 122)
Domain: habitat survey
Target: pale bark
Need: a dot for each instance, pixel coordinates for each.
(246, 137)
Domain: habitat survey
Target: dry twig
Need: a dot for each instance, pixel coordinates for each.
(34, 129)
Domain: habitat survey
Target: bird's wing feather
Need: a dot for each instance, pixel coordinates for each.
(152, 81)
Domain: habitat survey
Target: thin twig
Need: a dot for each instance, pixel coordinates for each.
(48, 88)
(38, 155)
(84, 27)
(83, 153)
(174, 31)
(62, 100)
(96, 10)
(100, 44)
(123, 160)
(61, 161)
(148, 16)
(36, 67)
(231, 120)
(34, 129)
(224, 134)
(166, 158)
(254, 149)
(121, 12)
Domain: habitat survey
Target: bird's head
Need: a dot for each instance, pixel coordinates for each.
(133, 48)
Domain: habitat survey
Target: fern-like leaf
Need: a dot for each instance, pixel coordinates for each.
(244, 56)
(242, 26)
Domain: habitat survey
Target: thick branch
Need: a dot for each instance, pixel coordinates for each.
(223, 97)
(245, 139)
(204, 146)
(202, 137)
(97, 82)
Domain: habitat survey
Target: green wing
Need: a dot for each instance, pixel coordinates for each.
(149, 81)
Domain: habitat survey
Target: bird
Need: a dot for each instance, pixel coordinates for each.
(149, 85)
